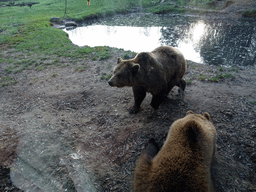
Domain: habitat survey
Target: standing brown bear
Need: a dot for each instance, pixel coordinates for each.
(183, 163)
(156, 72)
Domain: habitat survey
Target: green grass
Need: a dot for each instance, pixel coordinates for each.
(233, 69)
(6, 80)
(166, 9)
(29, 32)
(80, 69)
(102, 53)
(249, 13)
(226, 75)
(104, 76)
(253, 102)
(220, 76)
(202, 77)
(129, 54)
(189, 81)
(214, 79)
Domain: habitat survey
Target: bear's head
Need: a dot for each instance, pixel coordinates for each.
(124, 73)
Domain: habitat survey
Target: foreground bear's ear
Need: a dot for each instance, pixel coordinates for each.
(135, 68)
(189, 112)
(207, 115)
(119, 59)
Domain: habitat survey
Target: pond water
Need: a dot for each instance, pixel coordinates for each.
(204, 40)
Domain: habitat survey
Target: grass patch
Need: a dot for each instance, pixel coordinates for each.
(249, 13)
(253, 102)
(147, 3)
(161, 9)
(214, 79)
(226, 75)
(220, 69)
(129, 55)
(29, 32)
(102, 53)
(233, 69)
(105, 76)
(80, 69)
(188, 81)
(6, 80)
(202, 77)
(220, 76)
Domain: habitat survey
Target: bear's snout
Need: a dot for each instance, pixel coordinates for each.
(110, 83)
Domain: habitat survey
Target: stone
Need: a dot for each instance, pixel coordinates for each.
(70, 23)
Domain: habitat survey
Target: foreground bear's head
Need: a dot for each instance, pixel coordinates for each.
(124, 73)
(183, 163)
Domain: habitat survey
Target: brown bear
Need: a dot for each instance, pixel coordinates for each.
(183, 163)
(156, 72)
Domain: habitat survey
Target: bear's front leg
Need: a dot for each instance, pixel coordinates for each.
(139, 94)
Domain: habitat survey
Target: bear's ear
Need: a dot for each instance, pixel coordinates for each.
(207, 115)
(189, 112)
(135, 68)
(119, 59)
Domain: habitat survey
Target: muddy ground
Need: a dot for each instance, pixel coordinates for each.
(70, 127)
(94, 122)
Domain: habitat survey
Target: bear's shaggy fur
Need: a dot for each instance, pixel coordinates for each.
(183, 163)
(156, 72)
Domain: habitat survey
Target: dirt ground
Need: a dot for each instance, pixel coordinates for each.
(65, 123)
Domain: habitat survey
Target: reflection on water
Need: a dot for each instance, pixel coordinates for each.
(200, 40)
(130, 38)
(137, 39)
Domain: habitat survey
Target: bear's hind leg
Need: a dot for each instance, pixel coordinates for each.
(157, 100)
(182, 85)
(139, 94)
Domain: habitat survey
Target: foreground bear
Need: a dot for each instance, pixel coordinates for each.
(156, 72)
(183, 163)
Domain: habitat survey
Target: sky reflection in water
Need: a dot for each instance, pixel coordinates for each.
(137, 39)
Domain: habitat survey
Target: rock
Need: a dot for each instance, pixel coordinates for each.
(229, 114)
(70, 23)
(70, 28)
(55, 19)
